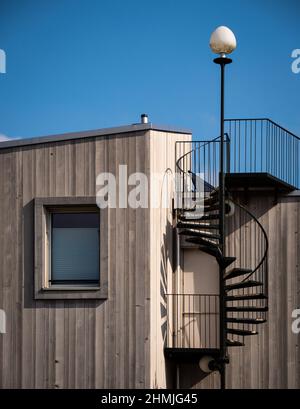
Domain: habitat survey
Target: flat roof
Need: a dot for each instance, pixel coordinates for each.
(88, 134)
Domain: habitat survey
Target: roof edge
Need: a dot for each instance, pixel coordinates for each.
(89, 134)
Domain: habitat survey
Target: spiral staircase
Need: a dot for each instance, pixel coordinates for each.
(246, 291)
(243, 275)
(220, 220)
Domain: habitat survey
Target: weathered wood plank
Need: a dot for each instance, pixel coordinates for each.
(69, 343)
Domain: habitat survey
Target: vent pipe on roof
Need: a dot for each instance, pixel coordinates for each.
(144, 119)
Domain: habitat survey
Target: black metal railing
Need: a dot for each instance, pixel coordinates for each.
(197, 169)
(248, 241)
(251, 146)
(192, 321)
(245, 239)
(261, 145)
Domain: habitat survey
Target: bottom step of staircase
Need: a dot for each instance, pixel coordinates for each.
(241, 332)
(246, 308)
(246, 320)
(232, 343)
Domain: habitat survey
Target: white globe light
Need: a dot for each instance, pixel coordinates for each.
(222, 41)
(205, 362)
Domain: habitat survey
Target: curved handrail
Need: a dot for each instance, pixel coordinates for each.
(264, 257)
(265, 247)
(191, 151)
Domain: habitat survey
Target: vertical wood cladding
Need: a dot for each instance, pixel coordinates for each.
(79, 343)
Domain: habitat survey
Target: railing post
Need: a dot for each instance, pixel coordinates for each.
(227, 154)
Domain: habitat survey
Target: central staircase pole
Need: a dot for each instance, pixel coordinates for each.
(222, 61)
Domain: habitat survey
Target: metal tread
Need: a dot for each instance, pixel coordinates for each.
(202, 241)
(200, 216)
(210, 217)
(257, 296)
(226, 261)
(246, 320)
(242, 332)
(200, 234)
(194, 217)
(237, 272)
(246, 308)
(211, 207)
(215, 252)
(233, 343)
(191, 224)
(244, 284)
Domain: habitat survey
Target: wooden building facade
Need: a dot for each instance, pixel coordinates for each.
(114, 336)
(74, 342)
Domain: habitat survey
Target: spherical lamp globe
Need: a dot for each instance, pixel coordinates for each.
(222, 41)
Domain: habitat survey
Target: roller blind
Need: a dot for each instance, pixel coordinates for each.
(75, 248)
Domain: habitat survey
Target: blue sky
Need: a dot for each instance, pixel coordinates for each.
(85, 64)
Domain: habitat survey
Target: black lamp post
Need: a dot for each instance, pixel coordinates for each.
(222, 42)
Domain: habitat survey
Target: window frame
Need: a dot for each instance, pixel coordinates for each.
(43, 208)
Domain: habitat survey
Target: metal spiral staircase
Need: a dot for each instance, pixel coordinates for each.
(243, 293)
(245, 278)
(257, 154)
(246, 291)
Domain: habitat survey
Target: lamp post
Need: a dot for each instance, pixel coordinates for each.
(222, 42)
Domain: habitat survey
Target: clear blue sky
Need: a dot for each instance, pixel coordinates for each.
(84, 64)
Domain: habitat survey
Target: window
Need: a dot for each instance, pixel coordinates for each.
(74, 248)
(69, 260)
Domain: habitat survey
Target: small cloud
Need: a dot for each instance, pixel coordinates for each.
(4, 138)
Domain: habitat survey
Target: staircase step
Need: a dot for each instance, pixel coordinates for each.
(210, 217)
(190, 217)
(244, 284)
(215, 252)
(242, 332)
(212, 207)
(246, 320)
(258, 296)
(190, 225)
(232, 343)
(199, 240)
(211, 250)
(209, 226)
(206, 201)
(200, 234)
(211, 200)
(199, 217)
(195, 217)
(215, 192)
(226, 261)
(236, 272)
(201, 226)
(205, 206)
(246, 308)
